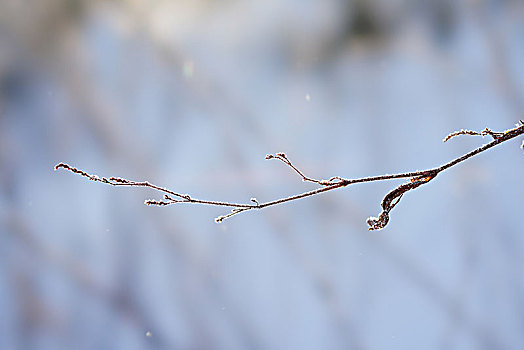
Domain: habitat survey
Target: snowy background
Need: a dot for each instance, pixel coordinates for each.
(191, 95)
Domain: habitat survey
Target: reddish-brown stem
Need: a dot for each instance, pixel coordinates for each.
(417, 178)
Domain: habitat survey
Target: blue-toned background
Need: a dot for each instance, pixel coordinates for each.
(192, 95)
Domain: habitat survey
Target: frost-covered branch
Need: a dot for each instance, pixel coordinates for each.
(416, 179)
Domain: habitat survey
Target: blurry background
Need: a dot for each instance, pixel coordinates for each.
(191, 95)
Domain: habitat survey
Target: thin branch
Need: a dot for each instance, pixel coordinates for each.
(282, 157)
(416, 179)
(483, 133)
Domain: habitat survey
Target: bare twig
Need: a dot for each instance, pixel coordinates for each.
(282, 157)
(416, 179)
(483, 133)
